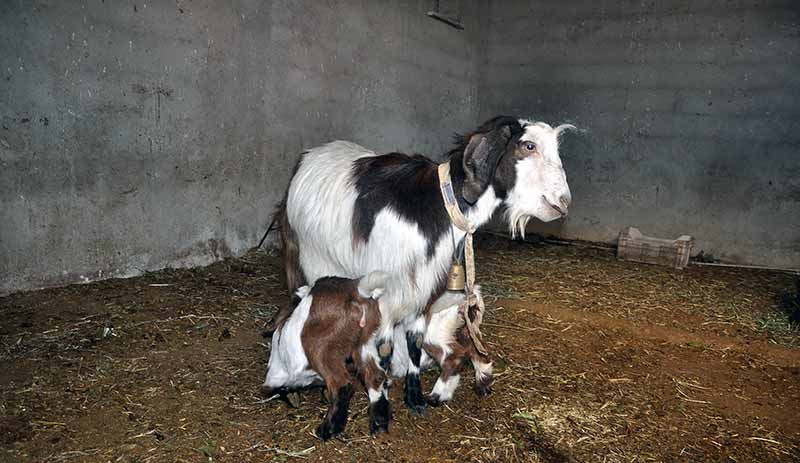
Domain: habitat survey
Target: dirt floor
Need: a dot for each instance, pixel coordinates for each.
(596, 360)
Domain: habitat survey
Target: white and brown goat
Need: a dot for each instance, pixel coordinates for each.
(448, 344)
(325, 331)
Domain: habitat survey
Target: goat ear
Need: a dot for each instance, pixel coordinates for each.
(475, 156)
(563, 128)
(359, 307)
(356, 306)
(481, 156)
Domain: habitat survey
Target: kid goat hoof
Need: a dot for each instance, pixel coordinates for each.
(416, 403)
(326, 430)
(434, 401)
(377, 426)
(483, 390)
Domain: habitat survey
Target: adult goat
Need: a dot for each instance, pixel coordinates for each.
(349, 211)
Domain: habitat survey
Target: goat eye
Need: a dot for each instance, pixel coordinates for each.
(530, 146)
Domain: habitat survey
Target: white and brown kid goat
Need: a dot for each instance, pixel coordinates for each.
(448, 344)
(325, 331)
(349, 211)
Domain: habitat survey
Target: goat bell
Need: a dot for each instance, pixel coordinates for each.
(456, 277)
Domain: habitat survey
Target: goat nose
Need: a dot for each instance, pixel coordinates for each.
(558, 206)
(558, 209)
(564, 201)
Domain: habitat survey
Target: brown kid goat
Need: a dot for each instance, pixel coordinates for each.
(325, 332)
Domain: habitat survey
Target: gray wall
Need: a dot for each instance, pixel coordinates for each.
(140, 135)
(691, 112)
(137, 135)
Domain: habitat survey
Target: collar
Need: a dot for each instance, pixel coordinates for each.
(448, 195)
(461, 221)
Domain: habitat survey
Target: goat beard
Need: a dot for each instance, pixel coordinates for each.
(517, 222)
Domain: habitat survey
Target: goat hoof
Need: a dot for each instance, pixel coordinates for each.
(415, 402)
(269, 329)
(380, 415)
(414, 399)
(293, 398)
(379, 422)
(377, 426)
(325, 430)
(434, 400)
(483, 389)
(417, 408)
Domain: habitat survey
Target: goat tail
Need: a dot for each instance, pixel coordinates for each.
(290, 250)
(373, 284)
(295, 281)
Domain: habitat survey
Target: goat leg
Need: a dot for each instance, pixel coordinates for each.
(414, 398)
(336, 417)
(380, 411)
(448, 380)
(484, 379)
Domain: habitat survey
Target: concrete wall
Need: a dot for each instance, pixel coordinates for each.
(691, 112)
(140, 135)
(137, 135)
